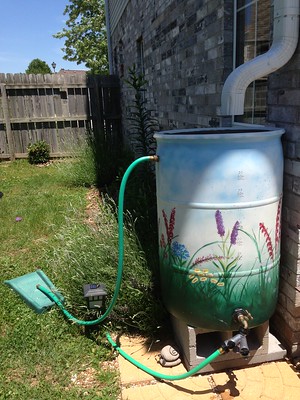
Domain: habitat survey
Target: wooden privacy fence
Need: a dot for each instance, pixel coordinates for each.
(57, 108)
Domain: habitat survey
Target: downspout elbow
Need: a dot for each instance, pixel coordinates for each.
(285, 40)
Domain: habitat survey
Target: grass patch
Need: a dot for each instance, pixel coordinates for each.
(41, 355)
(49, 357)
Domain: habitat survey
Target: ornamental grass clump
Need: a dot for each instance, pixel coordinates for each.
(80, 169)
(91, 256)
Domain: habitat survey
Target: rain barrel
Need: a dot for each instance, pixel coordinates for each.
(219, 210)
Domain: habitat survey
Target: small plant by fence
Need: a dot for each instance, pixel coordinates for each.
(57, 108)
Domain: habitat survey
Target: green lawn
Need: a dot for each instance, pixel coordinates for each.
(44, 356)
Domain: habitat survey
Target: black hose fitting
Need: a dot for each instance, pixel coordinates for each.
(234, 341)
(244, 348)
(224, 348)
(239, 340)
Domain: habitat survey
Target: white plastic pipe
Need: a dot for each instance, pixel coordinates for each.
(285, 40)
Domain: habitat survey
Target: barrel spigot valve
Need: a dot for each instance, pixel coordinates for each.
(242, 316)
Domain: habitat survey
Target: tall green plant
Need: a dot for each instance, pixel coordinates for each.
(141, 192)
(142, 124)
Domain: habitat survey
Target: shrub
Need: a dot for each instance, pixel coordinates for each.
(38, 152)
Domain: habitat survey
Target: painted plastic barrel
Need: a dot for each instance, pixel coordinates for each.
(219, 209)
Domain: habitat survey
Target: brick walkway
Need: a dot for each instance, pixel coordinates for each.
(269, 381)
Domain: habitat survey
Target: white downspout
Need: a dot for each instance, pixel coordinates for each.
(108, 34)
(285, 40)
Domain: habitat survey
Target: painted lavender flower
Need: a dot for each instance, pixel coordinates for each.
(204, 259)
(169, 225)
(266, 234)
(220, 223)
(278, 225)
(234, 233)
(162, 241)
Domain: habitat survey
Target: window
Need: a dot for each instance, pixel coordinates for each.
(252, 32)
(140, 55)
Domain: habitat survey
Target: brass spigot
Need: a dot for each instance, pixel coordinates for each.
(242, 317)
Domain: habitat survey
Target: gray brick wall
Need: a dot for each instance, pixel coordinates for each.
(284, 111)
(187, 53)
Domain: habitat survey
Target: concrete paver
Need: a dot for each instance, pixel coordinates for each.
(275, 381)
(190, 388)
(270, 381)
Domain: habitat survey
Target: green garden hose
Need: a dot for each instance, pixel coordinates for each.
(158, 375)
(51, 295)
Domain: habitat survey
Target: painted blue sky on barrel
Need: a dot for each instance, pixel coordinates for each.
(26, 30)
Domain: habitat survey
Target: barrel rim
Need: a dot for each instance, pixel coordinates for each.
(237, 133)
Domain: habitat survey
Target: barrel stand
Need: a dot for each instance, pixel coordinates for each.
(196, 344)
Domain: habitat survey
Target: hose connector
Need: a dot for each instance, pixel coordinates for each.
(154, 158)
(240, 341)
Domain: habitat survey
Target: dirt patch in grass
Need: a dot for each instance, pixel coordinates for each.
(16, 375)
(111, 366)
(86, 379)
(93, 199)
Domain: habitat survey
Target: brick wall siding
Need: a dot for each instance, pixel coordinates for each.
(284, 111)
(187, 56)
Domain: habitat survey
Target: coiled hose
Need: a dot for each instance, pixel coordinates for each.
(55, 299)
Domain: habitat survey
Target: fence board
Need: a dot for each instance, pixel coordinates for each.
(57, 108)
(5, 108)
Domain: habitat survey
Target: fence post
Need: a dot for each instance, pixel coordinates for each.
(9, 136)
